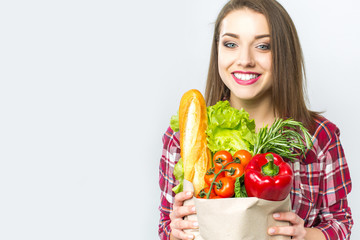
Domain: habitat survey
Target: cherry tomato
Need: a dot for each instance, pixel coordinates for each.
(243, 156)
(225, 187)
(216, 196)
(203, 192)
(210, 174)
(235, 170)
(221, 158)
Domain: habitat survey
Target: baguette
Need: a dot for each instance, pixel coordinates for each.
(194, 151)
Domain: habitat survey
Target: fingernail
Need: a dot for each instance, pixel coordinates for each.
(191, 237)
(276, 215)
(193, 209)
(195, 224)
(188, 193)
(271, 230)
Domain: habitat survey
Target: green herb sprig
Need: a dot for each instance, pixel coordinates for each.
(283, 138)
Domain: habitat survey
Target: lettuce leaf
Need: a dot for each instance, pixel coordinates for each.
(240, 190)
(229, 128)
(174, 122)
(179, 175)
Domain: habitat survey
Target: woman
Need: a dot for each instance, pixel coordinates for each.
(256, 63)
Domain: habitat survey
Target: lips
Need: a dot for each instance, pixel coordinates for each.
(245, 78)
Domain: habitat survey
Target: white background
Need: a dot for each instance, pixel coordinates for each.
(87, 90)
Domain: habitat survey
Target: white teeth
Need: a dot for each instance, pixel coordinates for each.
(245, 77)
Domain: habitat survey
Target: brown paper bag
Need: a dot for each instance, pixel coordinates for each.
(235, 218)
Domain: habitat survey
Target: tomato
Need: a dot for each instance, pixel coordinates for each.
(243, 156)
(235, 170)
(225, 187)
(216, 196)
(210, 174)
(203, 192)
(221, 158)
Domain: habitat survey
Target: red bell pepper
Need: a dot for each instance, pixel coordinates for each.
(268, 177)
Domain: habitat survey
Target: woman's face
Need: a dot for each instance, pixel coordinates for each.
(244, 55)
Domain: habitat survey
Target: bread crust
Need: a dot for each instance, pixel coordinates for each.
(194, 151)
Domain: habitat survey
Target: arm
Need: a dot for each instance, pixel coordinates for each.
(170, 155)
(336, 221)
(171, 222)
(171, 207)
(335, 215)
(165, 208)
(333, 219)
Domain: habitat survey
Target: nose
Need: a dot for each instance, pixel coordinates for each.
(245, 58)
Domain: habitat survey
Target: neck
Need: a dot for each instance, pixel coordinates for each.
(261, 111)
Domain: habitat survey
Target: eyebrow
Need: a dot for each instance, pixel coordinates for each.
(237, 36)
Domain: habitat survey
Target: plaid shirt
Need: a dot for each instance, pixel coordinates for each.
(320, 187)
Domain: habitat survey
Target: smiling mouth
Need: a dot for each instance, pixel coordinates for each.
(246, 76)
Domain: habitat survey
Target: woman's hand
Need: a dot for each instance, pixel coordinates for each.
(296, 230)
(178, 224)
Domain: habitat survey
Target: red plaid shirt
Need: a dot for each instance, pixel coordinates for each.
(320, 187)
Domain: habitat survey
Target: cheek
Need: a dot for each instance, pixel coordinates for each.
(223, 66)
(224, 61)
(265, 62)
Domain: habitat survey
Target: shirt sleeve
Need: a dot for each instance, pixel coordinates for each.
(170, 156)
(335, 214)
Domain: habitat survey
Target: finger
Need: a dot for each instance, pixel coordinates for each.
(181, 197)
(295, 231)
(291, 217)
(178, 226)
(180, 212)
(181, 234)
(183, 224)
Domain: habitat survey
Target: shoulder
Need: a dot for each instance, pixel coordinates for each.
(325, 136)
(325, 132)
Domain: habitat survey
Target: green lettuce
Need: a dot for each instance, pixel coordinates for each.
(179, 175)
(229, 129)
(240, 191)
(174, 122)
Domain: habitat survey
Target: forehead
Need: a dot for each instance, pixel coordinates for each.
(244, 22)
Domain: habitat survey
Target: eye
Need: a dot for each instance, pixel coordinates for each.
(263, 46)
(230, 44)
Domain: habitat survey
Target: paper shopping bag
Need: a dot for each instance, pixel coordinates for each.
(235, 218)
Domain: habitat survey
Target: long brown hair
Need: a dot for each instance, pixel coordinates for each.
(288, 71)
